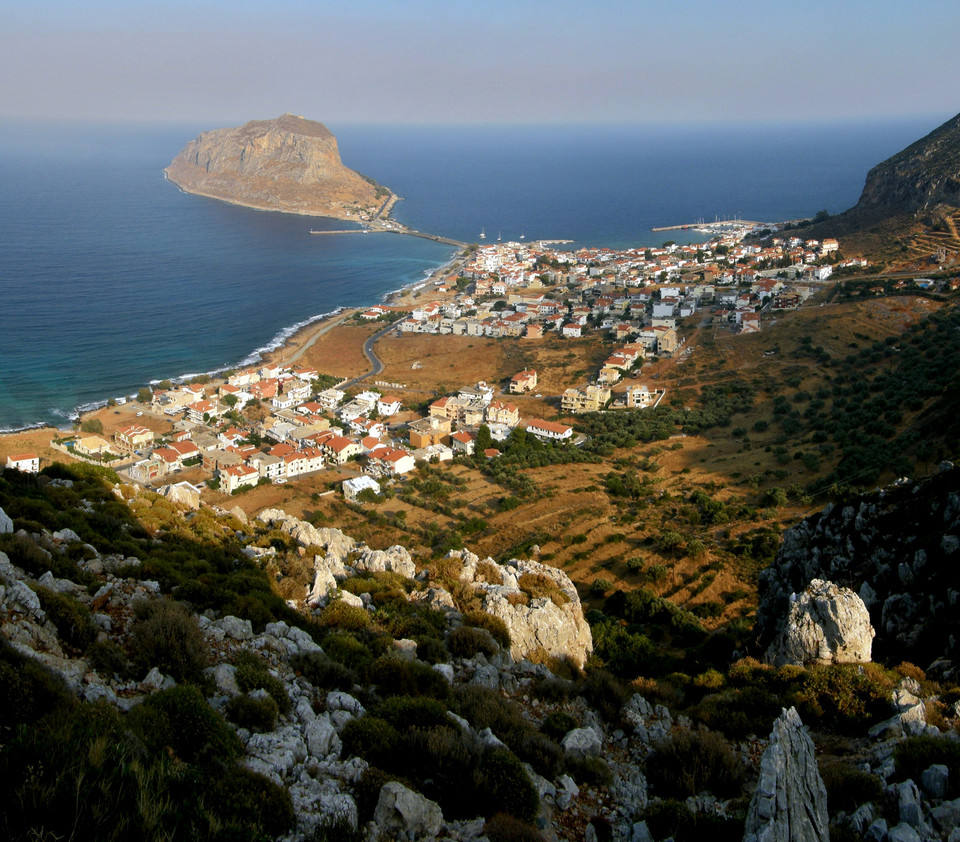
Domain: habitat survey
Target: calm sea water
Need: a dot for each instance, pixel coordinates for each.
(110, 277)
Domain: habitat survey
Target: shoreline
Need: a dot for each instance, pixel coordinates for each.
(382, 214)
(283, 347)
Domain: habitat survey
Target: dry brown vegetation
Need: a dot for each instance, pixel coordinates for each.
(570, 513)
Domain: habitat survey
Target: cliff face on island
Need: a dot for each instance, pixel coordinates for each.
(288, 164)
(920, 177)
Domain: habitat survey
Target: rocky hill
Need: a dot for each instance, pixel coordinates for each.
(907, 216)
(921, 177)
(897, 548)
(154, 685)
(288, 164)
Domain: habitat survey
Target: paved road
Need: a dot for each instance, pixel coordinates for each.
(368, 352)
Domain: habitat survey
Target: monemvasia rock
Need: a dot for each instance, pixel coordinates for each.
(286, 164)
(825, 624)
(790, 801)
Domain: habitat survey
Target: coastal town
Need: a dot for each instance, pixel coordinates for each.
(273, 423)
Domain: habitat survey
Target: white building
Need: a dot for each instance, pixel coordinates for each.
(29, 463)
(353, 487)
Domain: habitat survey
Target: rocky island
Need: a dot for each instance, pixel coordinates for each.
(288, 164)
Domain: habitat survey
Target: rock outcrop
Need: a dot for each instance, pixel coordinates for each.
(825, 624)
(288, 164)
(336, 545)
(898, 549)
(790, 801)
(552, 624)
(920, 177)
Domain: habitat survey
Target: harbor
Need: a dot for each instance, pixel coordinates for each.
(715, 226)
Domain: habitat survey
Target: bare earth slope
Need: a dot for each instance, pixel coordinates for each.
(288, 164)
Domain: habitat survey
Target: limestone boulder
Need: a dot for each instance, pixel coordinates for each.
(582, 742)
(403, 813)
(790, 801)
(824, 624)
(323, 585)
(551, 625)
(396, 559)
(6, 524)
(336, 544)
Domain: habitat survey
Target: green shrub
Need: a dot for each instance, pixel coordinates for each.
(253, 713)
(553, 689)
(542, 753)
(849, 787)
(337, 830)
(502, 785)
(604, 692)
(672, 818)
(430, 650)
(349, 650)
(412, 712)
(371, 738)
(339, 615)
(916, 754)
(843, 697)
(539, 585)
(558, 724)
(366, 792)
(323, 672)
(254, 674)
(466, 642)
(494, 625)
(109, 659)
(395, 676)
(669, 818)
(24, 553)
(740, 711)
(688, 762)
(486, 708)
(502, 827)
(70, 616)
(250, 806)
(166, 636)
(589, 770)
(180, 719)
(28, 690)
(442, 762)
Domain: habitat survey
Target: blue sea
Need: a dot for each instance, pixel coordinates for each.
(110, 277)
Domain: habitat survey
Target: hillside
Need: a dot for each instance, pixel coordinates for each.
(906, 216)
(288, 164)
(919, 178)
(155, 685)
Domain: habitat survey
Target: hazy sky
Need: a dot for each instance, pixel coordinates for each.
(223, 63)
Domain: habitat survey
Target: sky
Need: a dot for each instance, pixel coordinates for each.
(484, 61)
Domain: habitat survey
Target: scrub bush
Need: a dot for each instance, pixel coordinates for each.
(166, 636)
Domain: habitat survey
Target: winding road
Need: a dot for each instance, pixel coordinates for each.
(368, 352)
